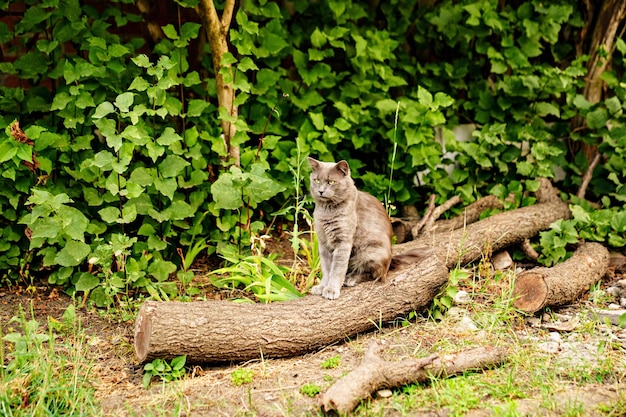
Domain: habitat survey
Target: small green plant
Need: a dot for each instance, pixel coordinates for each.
(166, 371)
(258, 274)
(332, 362)
(310, 390)
(242, 376)
(606, 226)
(407, 320)
(443, 301)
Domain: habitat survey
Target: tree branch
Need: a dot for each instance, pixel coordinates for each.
(227, 15)
(588, 175)
(374, 373)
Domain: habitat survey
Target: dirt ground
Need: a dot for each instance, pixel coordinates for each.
(275, 389)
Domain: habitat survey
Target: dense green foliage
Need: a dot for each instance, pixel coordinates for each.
(124, 182)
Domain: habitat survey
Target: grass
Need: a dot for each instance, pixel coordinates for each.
(44, 376)
(48, 372)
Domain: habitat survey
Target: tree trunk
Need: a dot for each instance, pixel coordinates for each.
(605, 19)
(217, 35)
(462, 246)
(218, 331)
(608, 19)
(374, 374)
(563, 283)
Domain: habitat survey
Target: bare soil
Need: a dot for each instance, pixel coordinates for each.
(275, 388)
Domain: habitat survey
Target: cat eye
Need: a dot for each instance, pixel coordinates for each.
(331, 182)
(317, 181)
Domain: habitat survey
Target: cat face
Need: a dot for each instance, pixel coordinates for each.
(330, 181)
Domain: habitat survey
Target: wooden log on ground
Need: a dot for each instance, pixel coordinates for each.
(562, 284)
(374, 374)
(222, 331)
(499, 231)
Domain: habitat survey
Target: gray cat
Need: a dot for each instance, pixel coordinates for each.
(353, 230)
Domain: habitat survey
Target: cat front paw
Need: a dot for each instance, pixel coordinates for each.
(331, 293)
(317, 289)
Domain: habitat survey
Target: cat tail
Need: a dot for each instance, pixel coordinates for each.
(410, 257)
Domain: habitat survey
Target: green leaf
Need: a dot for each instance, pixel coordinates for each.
(7, 151)
(247, 64)
(87, 282)
(170, 31)
(124, 101)
(60, 101)
(161, 269)
(225, 193)
(142, 61)
(262, 187)
(318, 120)
(597, 118)
(618, 222)
(196, 107)
(46, 228)
(387, 105)
(72, 254)
(424, 96)
(166, 186)
(544, 109)
(139, 84)
(580, 102)
(103, 110)
(318, 39)
(109, 214)
(172, 165)
(190, 30)
(143, 176)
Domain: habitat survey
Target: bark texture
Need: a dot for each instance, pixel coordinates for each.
(563, 283)
(499, 231)
(222, 331)
(374, 374)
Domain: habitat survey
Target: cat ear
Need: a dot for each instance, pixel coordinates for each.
(314, 163)
(343, 167)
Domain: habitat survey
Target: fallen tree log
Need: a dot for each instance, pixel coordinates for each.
(222, 331)
(218, 331)
(374, 374)
(562, 284)
(462, 246)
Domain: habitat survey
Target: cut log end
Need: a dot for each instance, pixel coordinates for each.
(143, 330)
(531, 292)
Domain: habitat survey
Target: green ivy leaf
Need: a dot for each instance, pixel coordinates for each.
(72, 254)
(196, 107)
(618, 222)
(139, 84)
(60, 101)
(597, 118)
(161, 269)
(142, 61)
(105, 108)
(109, 214)
(544, 109)
(124, 101)
(172, 165)
(87, 282)
(170, 31)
